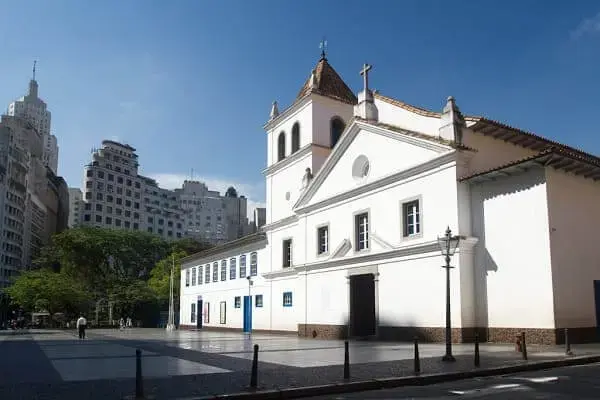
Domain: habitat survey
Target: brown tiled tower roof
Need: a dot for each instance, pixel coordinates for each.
(329, 84)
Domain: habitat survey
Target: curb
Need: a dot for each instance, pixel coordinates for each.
(395, 382)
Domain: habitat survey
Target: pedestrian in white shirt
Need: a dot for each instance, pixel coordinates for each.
(81, 325)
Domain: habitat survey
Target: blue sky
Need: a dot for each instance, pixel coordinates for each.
(190, 83)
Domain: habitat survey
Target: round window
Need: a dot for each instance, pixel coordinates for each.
(361, 167)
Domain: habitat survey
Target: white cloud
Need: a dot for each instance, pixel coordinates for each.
(588, 26)
(253, 192)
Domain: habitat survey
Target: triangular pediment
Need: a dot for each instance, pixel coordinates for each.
(385, 149)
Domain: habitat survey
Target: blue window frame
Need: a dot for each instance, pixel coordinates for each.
(253, 264)
(258, 300)
(287, 299)
(243, 266)
(237, 302)
(223, 270)
(232, 267)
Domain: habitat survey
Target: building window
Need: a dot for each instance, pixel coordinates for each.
(232, 267)
(361, 228)
(281, 146)
(206, 312)
(411, 218)
(237, 302)
(253, 264)
(193, 313)
(287, 253)
(243, 266)
(287, 299)
(336, 129)
(258, 300)
(323, 240)
(200, 275)
(223, 312)
(207, 273)
(215, 272)
(223, 270)
(296, 137)
(187, 277)
(194, 276)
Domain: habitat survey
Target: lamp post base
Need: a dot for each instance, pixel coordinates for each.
(448, 358)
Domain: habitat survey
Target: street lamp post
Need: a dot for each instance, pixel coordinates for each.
(448, 245)
(171, 317)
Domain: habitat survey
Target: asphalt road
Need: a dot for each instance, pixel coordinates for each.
(580, 382)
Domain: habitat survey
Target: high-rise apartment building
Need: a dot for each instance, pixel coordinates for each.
(33, 109)
(117, 196)
(75, 207)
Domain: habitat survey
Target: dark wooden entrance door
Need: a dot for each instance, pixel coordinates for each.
(362, 305)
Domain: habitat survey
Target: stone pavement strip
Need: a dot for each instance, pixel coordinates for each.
(55, 365)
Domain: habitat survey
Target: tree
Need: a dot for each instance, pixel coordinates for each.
(102, 257)
(129, 296)
(52, 292)
(160, 278)
(189, 246)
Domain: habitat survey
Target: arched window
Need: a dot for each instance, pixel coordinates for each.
(296, 137)
(281, 146)
(337, 126)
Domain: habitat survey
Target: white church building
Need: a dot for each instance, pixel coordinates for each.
(358, 191)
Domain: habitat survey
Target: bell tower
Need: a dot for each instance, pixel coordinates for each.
(300, 137)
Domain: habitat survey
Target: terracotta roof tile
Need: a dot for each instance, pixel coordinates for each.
(329, 84)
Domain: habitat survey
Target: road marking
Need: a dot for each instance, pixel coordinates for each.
(544, 379)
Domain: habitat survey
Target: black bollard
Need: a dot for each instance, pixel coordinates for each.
(567, 343)
(346, 361)
(477, 361)
(417, 359)
(139, 386)
(523, 346)
(254, 376)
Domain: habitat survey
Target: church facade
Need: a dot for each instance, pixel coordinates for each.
(360, 188)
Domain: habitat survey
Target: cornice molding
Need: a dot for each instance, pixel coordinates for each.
(226, 253)
(386, 180)
(406, 251)
(351, 132)
(279, 223)
(292, 158)
(298, 104)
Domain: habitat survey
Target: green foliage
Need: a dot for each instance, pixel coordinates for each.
(128, 268)
(101, 257)
(160, 277)
(45, 290)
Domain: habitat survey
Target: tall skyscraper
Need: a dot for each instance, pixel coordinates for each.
(33, 109)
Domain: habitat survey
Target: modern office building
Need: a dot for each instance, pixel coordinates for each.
(115, 195)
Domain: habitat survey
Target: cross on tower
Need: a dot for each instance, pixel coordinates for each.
(365, 73)
(34, 62)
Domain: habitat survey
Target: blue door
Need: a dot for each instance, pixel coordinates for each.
(247, 313)
(597, 298)
(199, 315)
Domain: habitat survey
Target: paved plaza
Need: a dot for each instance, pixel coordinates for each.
(45, 364)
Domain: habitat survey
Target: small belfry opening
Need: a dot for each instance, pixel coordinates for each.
(296, 137)
(337, 126)
(281, 146)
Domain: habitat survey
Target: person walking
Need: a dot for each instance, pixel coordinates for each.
(81, 325)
